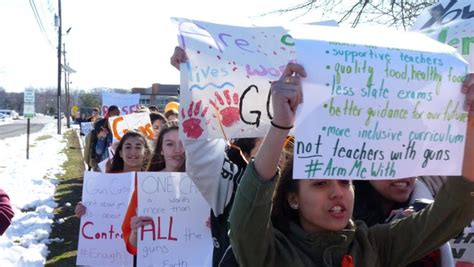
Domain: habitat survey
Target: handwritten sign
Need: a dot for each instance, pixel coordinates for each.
(450, 22)
(225, 84)
(178, 235)
(106, 197)
(86, 127)
(120, 125)
(462, 247)
(127, 103)
(378, 105)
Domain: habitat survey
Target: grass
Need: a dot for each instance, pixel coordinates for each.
(69, 190)
(43, 137)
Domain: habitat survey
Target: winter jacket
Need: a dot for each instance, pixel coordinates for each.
(217, 178)
(422, 191)
(257, 243)
(6, 212)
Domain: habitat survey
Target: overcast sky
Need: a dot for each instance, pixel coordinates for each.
(112, 43)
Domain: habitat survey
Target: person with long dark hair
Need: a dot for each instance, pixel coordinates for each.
(168, 156)
(308, 222)
(132, 154)
(382, 201)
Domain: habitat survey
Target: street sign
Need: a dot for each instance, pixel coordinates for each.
(29, 103)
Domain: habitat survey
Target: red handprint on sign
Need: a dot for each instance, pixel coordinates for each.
(230, 115)
(192, 126)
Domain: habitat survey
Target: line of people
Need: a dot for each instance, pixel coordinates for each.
(260, 216)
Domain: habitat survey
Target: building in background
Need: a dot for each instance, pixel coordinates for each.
(158, 94)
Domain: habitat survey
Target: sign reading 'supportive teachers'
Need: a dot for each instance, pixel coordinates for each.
(106, 197)
(378, 105)
(225, 83)
(178, 234)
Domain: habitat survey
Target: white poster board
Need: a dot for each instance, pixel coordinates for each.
(377, 106)
(127, 103)
(225, 84)
(120, 125)
(178, 235)
(106, 197)
(86, 127)
(463, 247)
(450, 22)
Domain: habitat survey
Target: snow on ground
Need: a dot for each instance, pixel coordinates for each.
(30, 185)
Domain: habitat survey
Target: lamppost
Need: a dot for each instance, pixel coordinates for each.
(67, 70)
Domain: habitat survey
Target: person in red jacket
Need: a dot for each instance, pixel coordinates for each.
(6, 212)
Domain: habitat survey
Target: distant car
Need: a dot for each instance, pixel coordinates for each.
(3, 117)
(10, 113)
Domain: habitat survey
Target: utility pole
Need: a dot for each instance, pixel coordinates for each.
(66, 87)
(59, 66)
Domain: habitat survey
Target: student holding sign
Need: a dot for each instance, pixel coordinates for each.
(133, 154)
(308, 222)
(216, 169)
(168, 156)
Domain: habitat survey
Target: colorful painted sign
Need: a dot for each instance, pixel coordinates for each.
(225, 84)
(120, 125)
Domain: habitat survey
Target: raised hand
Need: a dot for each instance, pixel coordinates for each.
(178, 57)
(468, 163)
(80, 209)
(287, 95)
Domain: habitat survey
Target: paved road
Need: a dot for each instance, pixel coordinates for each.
(18, 127)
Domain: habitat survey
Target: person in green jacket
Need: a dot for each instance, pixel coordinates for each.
(308, 222)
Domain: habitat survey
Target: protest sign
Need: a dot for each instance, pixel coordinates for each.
(378, 105)
(450, 22)
(127, 103)
(106, 197)
(86, 127)
(178, 235)
(225, 83)
(462, 247)
(120, 125)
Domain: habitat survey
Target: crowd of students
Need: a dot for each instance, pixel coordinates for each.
(260, 216)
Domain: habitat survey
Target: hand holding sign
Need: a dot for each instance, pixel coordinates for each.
(468, 89)
(286, 95)
(178, 57)
(135, 223)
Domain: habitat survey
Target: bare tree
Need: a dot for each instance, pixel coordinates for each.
(391, 13)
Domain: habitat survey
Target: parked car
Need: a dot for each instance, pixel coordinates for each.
(10, 113)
